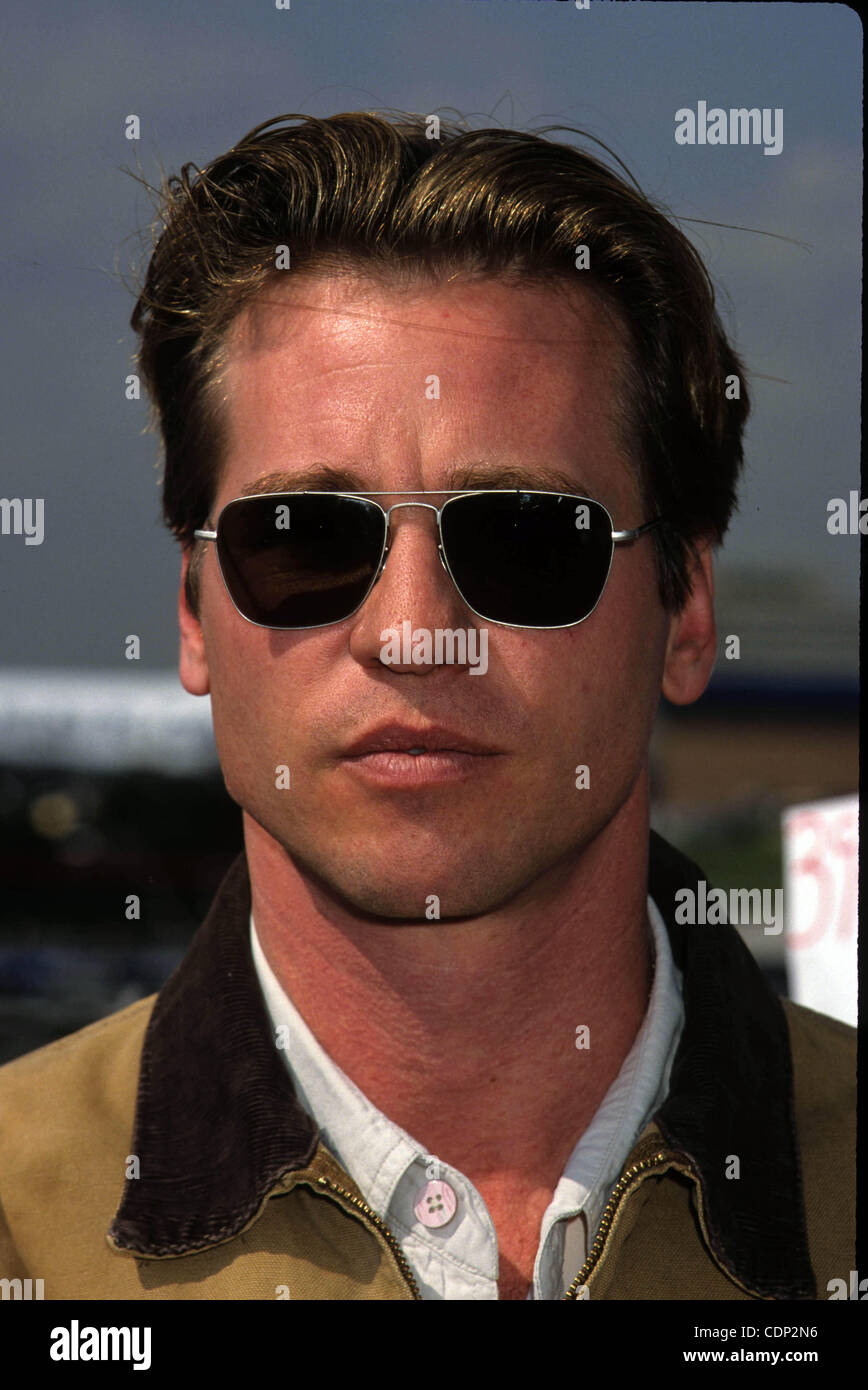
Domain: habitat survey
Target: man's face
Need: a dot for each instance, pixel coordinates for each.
(334, 372)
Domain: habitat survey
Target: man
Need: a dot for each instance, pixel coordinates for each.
(450, 435)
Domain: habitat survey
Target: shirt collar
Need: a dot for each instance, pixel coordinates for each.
(210, 1067)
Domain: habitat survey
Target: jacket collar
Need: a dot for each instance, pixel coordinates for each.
(218, 1124)
(731, 1095)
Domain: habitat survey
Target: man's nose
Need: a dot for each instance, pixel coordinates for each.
(413, 586)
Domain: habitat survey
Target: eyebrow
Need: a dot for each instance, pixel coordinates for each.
(319, 478)
(469, 478)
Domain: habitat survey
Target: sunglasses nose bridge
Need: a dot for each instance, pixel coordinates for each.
(396, 506)
(387, 512)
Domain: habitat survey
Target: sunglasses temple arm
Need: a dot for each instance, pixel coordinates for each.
(205, 535)
(620, 537)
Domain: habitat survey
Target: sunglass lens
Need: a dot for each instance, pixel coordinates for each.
(296, 560)
(529, 559)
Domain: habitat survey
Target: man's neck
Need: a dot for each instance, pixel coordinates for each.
(465, 1034)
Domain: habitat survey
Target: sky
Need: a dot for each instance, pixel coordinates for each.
(199, 75)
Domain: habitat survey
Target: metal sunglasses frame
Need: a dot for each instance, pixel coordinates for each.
(618, 538)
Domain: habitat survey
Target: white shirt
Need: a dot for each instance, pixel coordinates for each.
(460, 1260)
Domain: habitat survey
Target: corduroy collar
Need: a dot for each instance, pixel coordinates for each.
(218, 1122)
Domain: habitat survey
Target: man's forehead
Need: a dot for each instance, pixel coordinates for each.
(261, 393)
(491, 309)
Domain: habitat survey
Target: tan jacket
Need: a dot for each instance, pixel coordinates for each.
(161, 1153)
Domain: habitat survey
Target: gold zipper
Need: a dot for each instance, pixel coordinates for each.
(381, 1227)
(618, 1193)
(608, 1217)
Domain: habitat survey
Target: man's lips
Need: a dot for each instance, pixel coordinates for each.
(402, 738)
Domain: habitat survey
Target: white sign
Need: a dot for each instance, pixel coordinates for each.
(821, 877)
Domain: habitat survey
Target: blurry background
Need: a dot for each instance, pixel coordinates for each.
(109, 785)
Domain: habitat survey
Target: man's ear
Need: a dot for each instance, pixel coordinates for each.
(192, 665)
(691, 646)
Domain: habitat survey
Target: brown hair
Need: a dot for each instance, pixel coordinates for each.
(390, 196)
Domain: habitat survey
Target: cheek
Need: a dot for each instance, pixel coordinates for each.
(266, 691)
(597, 686)
(240, 699)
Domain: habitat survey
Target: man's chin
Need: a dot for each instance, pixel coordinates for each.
(417, 877)
(406, 894)
(409, 899)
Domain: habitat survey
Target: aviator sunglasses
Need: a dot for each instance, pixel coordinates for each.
(294, 560)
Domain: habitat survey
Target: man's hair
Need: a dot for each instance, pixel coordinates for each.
(379, 195)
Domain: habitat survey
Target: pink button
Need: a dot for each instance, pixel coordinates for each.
(436, 1203)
